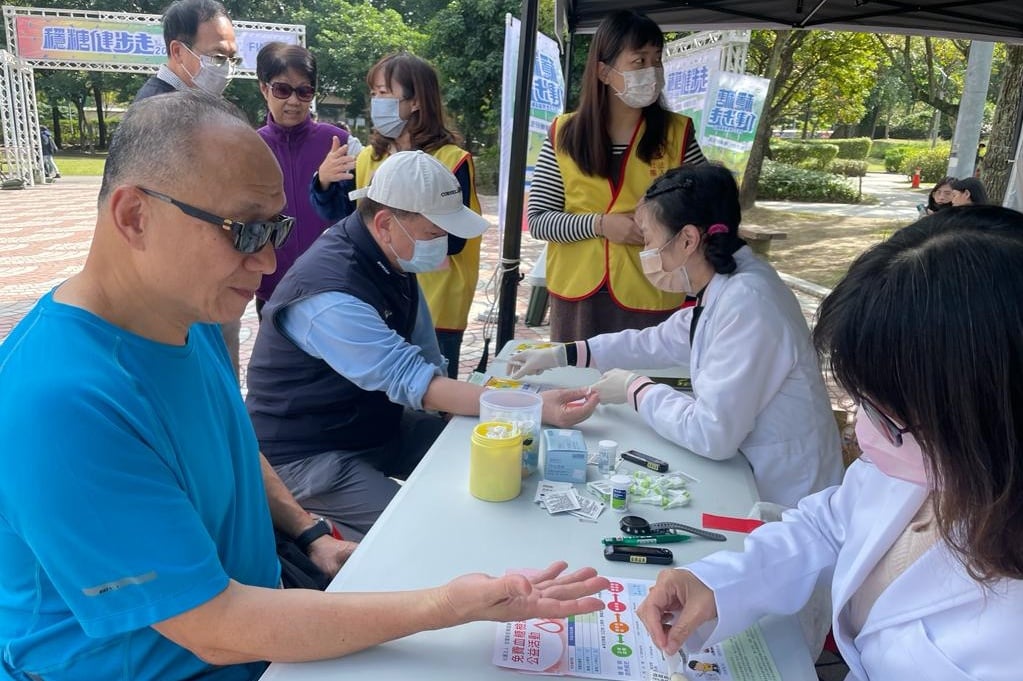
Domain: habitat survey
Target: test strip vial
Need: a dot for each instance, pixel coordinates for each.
(607, 452)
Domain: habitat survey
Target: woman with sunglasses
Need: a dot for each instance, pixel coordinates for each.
(287, 80)
(591, 172)
(757, 388)
(408, 115)
(923, 541)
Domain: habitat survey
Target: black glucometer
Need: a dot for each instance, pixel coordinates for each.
(639, 554)
(645, 460)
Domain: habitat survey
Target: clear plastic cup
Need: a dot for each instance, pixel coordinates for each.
(524, 409)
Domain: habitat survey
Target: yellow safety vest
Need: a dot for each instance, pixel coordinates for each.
(577, 270)
(449, 292)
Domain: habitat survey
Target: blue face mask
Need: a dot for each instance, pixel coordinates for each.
(427, 256)
(386, 119)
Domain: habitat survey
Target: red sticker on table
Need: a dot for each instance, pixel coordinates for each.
(724, 522)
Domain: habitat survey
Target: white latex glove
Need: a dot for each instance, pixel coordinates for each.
(530, 362)
(613, 386)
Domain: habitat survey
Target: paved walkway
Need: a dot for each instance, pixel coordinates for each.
(893, 199)
(45, 233)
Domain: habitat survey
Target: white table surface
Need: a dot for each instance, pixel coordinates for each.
(435, 530)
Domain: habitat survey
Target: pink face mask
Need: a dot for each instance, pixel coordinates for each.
(905, 462)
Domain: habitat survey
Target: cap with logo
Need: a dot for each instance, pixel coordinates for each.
(416, 182)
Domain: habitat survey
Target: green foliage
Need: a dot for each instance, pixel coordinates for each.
(894, 158)
(804, 153)
(781, 182)
(880, 147)
(848, 167)
(854, 148)
(916, 126)
(488, 169)
(933, 163)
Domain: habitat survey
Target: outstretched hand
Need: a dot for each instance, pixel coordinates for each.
(548, 594)
(566, 407)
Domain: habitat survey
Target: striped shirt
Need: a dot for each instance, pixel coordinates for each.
(546, 214)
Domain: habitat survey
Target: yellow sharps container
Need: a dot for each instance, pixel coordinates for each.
(495, 461)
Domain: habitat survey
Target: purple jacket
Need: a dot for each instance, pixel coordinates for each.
(299, 151)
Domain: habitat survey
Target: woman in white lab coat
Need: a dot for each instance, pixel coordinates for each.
(923, 541)
(757, 388)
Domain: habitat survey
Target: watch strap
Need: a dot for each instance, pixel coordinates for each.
(320, 529)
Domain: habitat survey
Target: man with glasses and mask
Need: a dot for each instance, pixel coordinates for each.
(201, 54)
(201, 49)
(346, 365)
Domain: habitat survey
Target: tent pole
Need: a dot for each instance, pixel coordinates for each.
(567, 65)
(517, 175)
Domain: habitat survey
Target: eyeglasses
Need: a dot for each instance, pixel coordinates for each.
(223, 60)
(248, 237)
(888, 428)
(283, 91)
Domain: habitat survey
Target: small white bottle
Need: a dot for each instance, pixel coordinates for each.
(607, 452)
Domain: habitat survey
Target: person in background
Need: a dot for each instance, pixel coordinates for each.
(969, 191)
(408, 115)
(202, 54)
(591, 172)
(302, 146)
(48, 148)
(346, 367)
(201, 49)
(757, 388)
(938, 198)
(923, 541)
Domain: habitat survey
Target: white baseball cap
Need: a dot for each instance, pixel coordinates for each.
(416, 182)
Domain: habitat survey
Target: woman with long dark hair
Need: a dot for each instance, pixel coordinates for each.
(923, 541)
(591, 172)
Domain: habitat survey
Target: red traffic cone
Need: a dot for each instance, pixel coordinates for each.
(916, 179)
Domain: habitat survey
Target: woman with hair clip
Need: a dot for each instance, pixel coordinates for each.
(287, 81)
(408, 115)
(592, 170)
(757, 388)
(923, 541)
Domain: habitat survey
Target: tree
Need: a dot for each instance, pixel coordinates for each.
(1001, 148)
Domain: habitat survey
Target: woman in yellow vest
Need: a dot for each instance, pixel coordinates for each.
(591, 172)
(407, 115)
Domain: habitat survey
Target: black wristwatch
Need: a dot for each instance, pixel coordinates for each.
(320, 529)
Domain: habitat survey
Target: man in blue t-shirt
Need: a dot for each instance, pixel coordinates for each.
(136, 512)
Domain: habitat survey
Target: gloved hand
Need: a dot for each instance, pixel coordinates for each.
(613, 386)
(530, 362)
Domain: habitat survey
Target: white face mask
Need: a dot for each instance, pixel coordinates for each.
(642, 87)
(427, 256)
(211, 78)
(386, 119)
(676, 281)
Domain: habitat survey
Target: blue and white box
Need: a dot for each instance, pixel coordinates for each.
(564, 455)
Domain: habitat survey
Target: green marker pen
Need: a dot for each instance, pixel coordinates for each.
(649, 539)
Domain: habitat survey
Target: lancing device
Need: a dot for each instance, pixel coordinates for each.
(650, 539)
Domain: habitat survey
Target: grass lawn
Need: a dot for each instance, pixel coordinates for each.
(80, 164)
(819, 248)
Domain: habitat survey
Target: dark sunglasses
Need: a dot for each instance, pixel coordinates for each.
(283, 91)
(248, 237)
(891, 431)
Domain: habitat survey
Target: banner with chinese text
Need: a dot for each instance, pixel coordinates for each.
(733, 107)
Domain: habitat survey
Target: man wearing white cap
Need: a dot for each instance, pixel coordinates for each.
(346, 362)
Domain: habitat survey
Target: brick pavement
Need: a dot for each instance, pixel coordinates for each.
(45, 233)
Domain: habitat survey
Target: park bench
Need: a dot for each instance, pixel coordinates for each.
(759, 238)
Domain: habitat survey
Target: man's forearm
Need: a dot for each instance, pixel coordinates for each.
(454, 397)
(287, 515)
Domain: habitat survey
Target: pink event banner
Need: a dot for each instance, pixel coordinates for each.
(67, 39)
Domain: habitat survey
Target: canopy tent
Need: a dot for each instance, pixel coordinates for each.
(993, 20)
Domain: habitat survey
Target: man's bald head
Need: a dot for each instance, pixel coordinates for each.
(158, 140)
